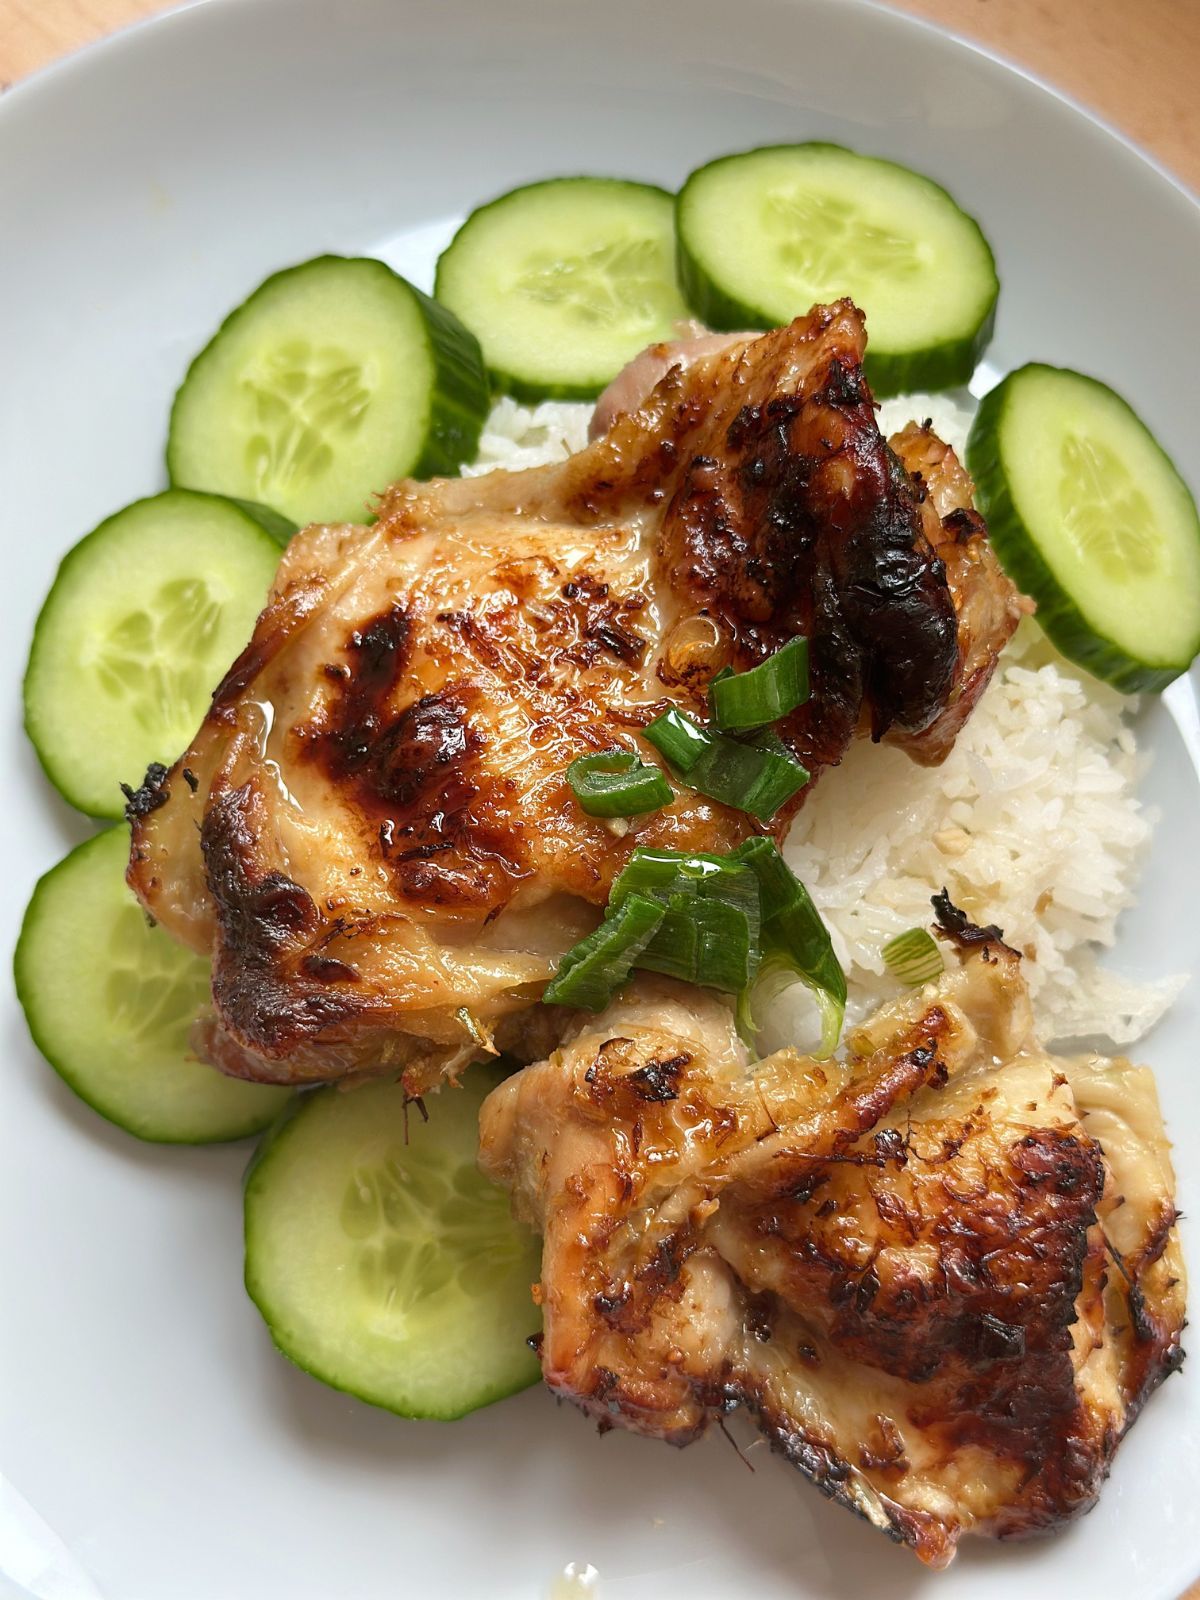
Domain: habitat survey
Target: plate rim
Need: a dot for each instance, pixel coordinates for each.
(91, 56)
(81, 57)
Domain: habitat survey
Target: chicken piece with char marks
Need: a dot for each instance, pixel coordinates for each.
(372, 833)
(943, 1274)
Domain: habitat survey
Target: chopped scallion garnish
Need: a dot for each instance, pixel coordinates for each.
(680, 738)
(659, 872)
(590, 974)
(732, 923)
(741, 701)
(708, 942)
(618, 783)
(744, 776)
(710, 934)
(795, 941)
(913, 957)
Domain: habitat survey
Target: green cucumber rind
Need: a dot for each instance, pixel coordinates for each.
(528, 392)
(946, 365)
(270, 521)
(1060, 618)
(949, 365)
(25, 982)
(273, 1142)
(460, 395)
(53, 769)
(522, 387)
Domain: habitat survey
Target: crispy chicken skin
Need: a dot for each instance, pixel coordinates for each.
(943, 1273)
(985, 604)
(372, 832)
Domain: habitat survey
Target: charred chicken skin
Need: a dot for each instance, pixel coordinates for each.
(372, 833)
(943, 1273)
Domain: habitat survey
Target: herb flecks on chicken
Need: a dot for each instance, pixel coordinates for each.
(377, 836)
(943, 1273)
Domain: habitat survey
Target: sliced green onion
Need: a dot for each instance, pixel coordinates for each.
(778, 886)
(744, 700)
(618, 783)
(590, 974)
(743, 776)
(913, 957)
(766, 739)
(662, 873)
(711, 930)
(707, 942)
(736, 923)
(795, 942)
(680, 738)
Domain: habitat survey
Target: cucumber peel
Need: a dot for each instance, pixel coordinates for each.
(564, 282)
(1089, 516)
(766, 234)
(280, 528)
(382, 1260)
(110, 998)
(334, 379)
(142, 619)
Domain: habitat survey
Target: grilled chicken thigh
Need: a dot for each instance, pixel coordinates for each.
(942, 1273)
(372, 832)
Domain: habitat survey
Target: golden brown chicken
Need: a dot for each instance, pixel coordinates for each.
(372, 833)
(943, 1273)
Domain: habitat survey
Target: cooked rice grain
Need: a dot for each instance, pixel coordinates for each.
(1033, 821)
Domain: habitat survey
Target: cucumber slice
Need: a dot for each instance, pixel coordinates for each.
(765, 235)
(564, 282)
(382, 1260)
(144, 616)
(334, 379)
(280, 528)
(1089, 516)
(109, 999)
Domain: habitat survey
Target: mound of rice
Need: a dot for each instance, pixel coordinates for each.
(1033, 821)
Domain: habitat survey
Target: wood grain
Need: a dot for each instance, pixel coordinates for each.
(35, 32)
(1136, 63)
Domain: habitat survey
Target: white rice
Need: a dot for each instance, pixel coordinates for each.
(1032, 822)
(516, 437)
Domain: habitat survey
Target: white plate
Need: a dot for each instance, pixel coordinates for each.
(144, 189)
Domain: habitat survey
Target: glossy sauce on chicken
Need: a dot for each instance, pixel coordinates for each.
(373, 833)
(942, 1273)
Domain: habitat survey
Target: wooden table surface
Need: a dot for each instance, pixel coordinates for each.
(1134, 62)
